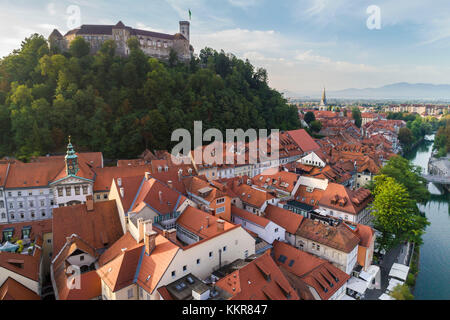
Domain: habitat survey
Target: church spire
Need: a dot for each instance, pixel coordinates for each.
(323, 102)
(324, 97)
(71, 159)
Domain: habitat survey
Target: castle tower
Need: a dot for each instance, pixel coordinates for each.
(71, 160)
(184, 29)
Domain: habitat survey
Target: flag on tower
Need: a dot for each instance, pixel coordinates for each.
(190, 14)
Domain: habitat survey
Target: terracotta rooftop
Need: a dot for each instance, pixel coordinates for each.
(337, 237)
(38, 228)
(203, 189)
(22, 264)
(99, 228)
(252, 196)
(158, 196)
(133, 265)
(38, 174)
(90, 286)
(324, 277)
(303, 140)
(244, 214)
(343, 199)
(105, 176)
(282, 180)
(196, 221)
(13, 290)
(286, 219)
(260, 279)
(119, 273)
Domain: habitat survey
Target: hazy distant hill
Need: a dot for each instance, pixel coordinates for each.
(402, 90)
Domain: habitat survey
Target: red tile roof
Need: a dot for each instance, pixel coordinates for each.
(99, 228)
(338, 237)
(22, 264)
(119, 273)
(195, 184)
(303, 140)
(27, 175)
(261, 279)
(281, 180)
(244, 214)
(286, 219)
(125, 242)
(158, 196)
(338, 197)
(252, 196)
(105, 176)
(196, 221)
(122, 269)
(4, 169)
(13, 290)
(155, 265)
(38, 228)
(324, 277)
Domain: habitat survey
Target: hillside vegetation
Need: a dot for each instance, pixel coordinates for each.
(121, 105)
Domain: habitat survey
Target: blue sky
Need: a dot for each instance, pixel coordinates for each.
(304, 44)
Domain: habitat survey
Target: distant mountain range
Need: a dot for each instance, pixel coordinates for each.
(401, 91)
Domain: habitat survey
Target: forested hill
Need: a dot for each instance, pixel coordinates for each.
(122, 105)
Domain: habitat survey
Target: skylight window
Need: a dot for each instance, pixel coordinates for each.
(190, 280)
(282, 258)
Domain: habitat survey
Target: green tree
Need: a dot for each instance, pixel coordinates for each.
(316, 126)
(409, 175)
(395, 213)
(405, 137)
(79, 47)
(402, 292)
(310, 117)
(356, 114)
(46, 95)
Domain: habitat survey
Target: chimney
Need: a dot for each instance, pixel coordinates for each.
(150, 241)
(141, 232)
(89, 203)
(180, 174)
(122, 192)
(172, 235)
(148, 226)
(220, 225)
(147, 176)
(119, 182)
(170, 184)
(207, 221)
(160, 194)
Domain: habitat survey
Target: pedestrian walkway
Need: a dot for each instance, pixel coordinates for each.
(399, 254)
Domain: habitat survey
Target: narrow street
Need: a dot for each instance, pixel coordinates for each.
(396, 255)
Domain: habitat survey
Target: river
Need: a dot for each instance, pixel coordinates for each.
(433, 281)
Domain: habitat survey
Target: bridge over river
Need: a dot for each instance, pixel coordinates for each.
(445, 180)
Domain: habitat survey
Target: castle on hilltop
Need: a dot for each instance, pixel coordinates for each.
(154, 44)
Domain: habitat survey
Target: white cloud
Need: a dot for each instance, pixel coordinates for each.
(243, 3)
(51, 9)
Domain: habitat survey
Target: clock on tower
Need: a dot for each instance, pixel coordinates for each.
(71, 160)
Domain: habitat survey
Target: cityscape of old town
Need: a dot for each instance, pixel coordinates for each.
(345, 198)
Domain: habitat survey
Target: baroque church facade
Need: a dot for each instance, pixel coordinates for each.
(154, 44)
(30, 191)
(74, 183)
